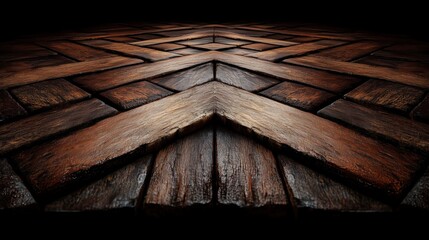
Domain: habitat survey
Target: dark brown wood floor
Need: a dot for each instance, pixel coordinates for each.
(290, 120)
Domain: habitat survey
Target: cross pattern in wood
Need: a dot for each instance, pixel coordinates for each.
(318, 105)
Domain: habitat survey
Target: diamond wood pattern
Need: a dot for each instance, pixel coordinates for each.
(280, 120)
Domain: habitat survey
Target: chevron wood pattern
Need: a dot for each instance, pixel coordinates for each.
(290, 121)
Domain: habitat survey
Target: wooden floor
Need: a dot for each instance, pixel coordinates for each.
(290, 120)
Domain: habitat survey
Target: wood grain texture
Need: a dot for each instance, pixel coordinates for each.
(47, 94)
(135, 94)
(122, 39)
(49, 167)
(182, 174)
(131, 50)
(240, 51)
(377, 165)
(322, 79)
(300, 96)
(295, 50)
(384, 73)
(259, 46)
(198, 41)
(167, 46)
(312, 191)
(213, 46)
(41, 126)
(421, 112)
(236, 36)
(187, 51)
(247, 173)
(230, 41)
(76, 51)
(418, 197)
(20, 65)
(118, 190)
(351, 51)
(13, 193)
(187, 39)
(418, 68)
(384, 94)
(20, 51)
(188, 78)
(406, 51)
(393, 127)
(242, 79)
(117, 77)
(63, 70)
(9, 108)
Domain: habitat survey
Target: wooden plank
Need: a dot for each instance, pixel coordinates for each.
(351, 51)
(127, 32)
(393, 127)
(406, 51)
(230, 41)
(38, 127)
(47, 94)
(147, 36)
(188, 39)
(418, 197)
(51, 166)
(213, 46)
(20, 51)
(187, 51)
(367, 162)
(130, 50)
(9, 108)
(64, 70)
(322, 79)
(362, 70)
(253, 39)
(295, 50)
(421, 112)
(117, 191)
(303, 39)
(135, 94)
(240, 51)
(418, 68)
(117, 77)
(259, 46)
(76, 51)
(242, 79)
(20, 65)
(167, 46)
(13, 193)
(388, 95)
(122, 39)
(300, 96)
(311, 191)
(182, 174)
(363, 160)
(188, 78)
(247, 173)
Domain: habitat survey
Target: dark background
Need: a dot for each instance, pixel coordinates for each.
(20, 17)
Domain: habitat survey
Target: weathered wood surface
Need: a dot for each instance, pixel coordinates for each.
(9, 108)
(118, 190)
(51, 93)
(388, 95)
(418, 197)
(20, 51)
(421, 112)
(50, 166)
(13, 193)
(247, 172)
(259, 46)
(313, 191)
(230, 41)
(188, 78)
(41, 126)
(379, 72)
(300, 96)
(393, 127)
(15, 66)
(63, 70)
(242, 79)
(76, 51)
(116, 77)
(131, 50)
(322, 79)
(351, 51)
(135, 94)
(167, 46)
(295, 50)
(213, 46)
(182, 173)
